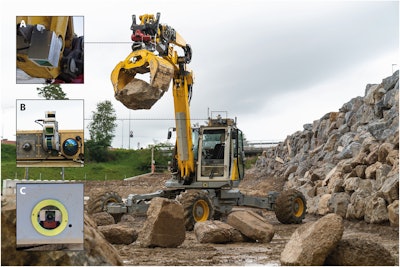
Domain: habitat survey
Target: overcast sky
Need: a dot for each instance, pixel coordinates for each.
(30, 110)
(273, 65)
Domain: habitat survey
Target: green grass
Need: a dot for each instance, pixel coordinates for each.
(250, 162)
(125, 163)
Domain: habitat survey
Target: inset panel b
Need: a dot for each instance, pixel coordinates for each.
(50, 133)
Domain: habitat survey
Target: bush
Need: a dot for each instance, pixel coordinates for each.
(96, 151)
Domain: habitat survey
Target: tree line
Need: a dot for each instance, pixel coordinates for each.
(101, 127)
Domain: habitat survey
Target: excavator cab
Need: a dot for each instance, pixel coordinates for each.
(220, 152)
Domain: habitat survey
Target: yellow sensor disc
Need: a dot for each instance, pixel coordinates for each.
(49, 217)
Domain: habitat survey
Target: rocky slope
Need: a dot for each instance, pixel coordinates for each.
(347, 162)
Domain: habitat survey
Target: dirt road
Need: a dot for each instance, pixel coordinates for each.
(191, 252)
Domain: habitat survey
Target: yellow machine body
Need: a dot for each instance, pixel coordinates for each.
(31, 150)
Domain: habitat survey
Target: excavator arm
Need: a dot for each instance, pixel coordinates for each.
(153, 52)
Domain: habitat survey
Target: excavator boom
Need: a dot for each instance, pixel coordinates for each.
(153, 53)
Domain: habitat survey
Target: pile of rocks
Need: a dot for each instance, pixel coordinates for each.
(347, 162)
(240, 226)
(311, 244)
(164, 226)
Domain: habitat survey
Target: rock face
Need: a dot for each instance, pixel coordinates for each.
(347, 162)
(97, 251)
(359, 252)
(165, 224)
(251, 225)
(216, 232)
(312, 242)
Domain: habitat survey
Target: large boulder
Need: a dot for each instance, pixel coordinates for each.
(165, 224)
(251, 225)
(376, 210)
(390, 188)
(312, 242)
(359, 252)
(138, 94)
(323, 204)
(103, 218)
(216, 232)
(97, 251)
(338, 203)
(119, 233)
(393, 212)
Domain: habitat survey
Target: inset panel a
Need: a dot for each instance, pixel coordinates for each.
(50, 49)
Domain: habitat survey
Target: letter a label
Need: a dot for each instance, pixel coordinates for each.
(22, 24)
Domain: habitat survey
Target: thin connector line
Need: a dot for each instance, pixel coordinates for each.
(89, 42)
(153, 119)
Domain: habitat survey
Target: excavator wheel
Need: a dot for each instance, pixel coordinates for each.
(99, 203)
(197, 207)
(290, 207)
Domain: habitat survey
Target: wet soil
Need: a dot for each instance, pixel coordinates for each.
(191, 252)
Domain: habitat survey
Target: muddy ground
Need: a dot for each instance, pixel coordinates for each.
(191, 252)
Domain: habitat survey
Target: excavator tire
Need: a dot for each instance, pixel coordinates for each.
(197, 207)
(99, 203)
(290, 207)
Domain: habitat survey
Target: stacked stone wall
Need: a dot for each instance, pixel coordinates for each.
(346, 162)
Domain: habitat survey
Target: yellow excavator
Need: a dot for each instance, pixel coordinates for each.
(48, 48)
(208, 163)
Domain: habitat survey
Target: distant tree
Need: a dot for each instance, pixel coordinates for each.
(102, 126)
(52, 91)
(96, 151)
(101, 130)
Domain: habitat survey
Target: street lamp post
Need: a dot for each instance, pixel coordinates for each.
(122, 146)
(130, 132)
